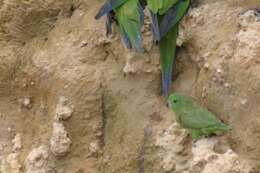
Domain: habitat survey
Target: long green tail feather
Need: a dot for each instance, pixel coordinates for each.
(167, 52)
(218, 128)
(223, 127)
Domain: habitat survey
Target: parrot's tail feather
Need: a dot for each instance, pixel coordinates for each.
(105, 9)
(216, 129)
(141, 11)
(138, 41)
(126, 41)
(220, 127)
(223, 127)
(167, 51)
(138, 44)
(155, 27)
(166, 80)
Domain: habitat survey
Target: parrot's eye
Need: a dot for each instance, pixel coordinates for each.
(175, 101)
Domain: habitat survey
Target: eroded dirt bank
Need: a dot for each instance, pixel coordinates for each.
(74, 101)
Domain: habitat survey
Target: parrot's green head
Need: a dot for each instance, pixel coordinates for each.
(178, 101)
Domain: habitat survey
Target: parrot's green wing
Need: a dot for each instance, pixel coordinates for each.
(155, 5)
(197, 118)
(125, 38)
(130, 22)
(108, 6)
(160, 6)
(173, 16)
(166, 5)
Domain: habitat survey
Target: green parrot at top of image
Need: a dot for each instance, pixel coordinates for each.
(166, 16)
(129, 17)
(199, 121)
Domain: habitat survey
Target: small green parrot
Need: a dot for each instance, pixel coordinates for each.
(195, 118)
(166, 15)
(129, 17)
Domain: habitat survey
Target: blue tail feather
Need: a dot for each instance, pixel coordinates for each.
(109, 6)
(138, 41)
(138, 44)
(155, 27)
(126, 40)
(141, 11)
(166, 81)
(142, 4)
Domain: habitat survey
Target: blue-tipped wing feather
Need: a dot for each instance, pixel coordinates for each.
(138, 40)
(126, 40)
(105, 9)
(173, 16)
(138, 44)
(167, 80)
(168, 21)
(109, 6)
(155, 26)
(141, 11)
(128, 24)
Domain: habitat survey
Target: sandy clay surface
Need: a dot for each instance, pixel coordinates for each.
(75, 101)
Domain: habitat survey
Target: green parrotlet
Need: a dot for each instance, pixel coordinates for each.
(199, 121)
